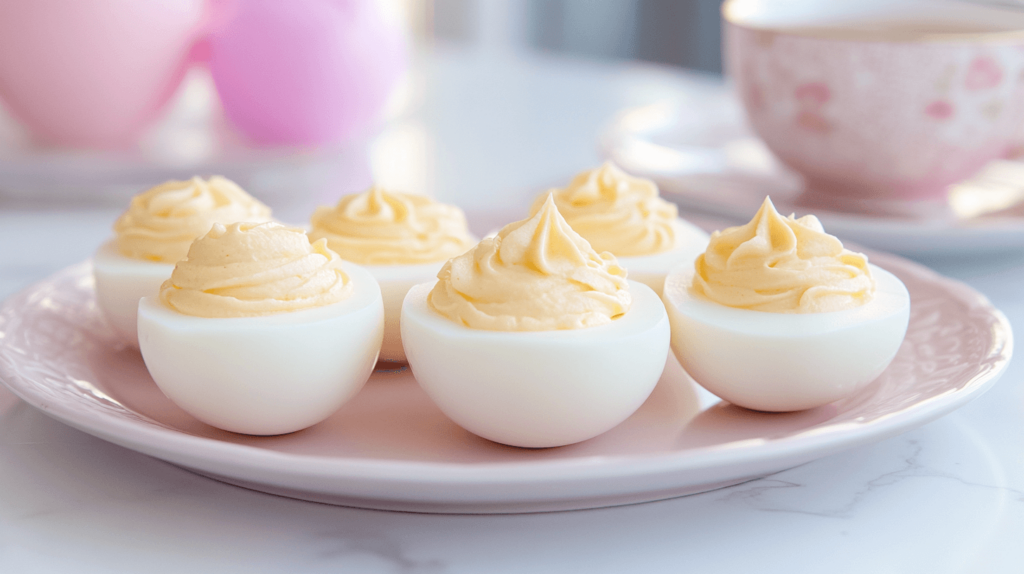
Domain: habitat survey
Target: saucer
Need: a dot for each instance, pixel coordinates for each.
(706, 159)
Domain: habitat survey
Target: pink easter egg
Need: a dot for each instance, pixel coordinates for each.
(93, 73)
(305, 71)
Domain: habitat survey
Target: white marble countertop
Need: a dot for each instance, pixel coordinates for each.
(947, 497)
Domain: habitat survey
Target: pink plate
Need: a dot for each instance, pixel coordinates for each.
(391, 448)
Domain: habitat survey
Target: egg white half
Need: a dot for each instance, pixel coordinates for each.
(265, 375)
(395, 281)
(785, 361)
(537, 388)
(120, 283)
(651, 270)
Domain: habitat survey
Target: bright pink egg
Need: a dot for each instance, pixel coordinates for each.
(93, 73)
(305, 71)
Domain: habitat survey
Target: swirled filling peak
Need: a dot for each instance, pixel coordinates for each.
(162, 222)
(782, 265)
(379, 227)
(534, 275)
(254, 269)
(617, 212)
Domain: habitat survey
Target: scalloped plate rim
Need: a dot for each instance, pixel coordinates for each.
(243, 461)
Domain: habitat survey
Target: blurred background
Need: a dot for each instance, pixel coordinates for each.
(211, 125)
(481, 103)
(682, 33)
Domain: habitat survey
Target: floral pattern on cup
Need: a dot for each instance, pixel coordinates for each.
(814, 94)
(903, 119)
(940, 110)
(811, 98)
(984, 73)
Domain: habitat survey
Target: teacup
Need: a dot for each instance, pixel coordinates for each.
(878, 101)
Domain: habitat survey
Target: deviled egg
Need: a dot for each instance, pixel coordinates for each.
(533, 339)
(625, 216)
(260, 332)
(401, 239)
(154, 234)
(777, 315)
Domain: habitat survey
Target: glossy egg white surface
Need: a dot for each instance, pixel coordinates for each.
(537, 388)
(651, 270)
(265, 375)
(395, 281)
(785, 361)
(120, 283)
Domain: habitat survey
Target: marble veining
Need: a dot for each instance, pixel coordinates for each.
(912, 461)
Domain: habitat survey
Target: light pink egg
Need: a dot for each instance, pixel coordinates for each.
(93, 73)
(305, 71)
